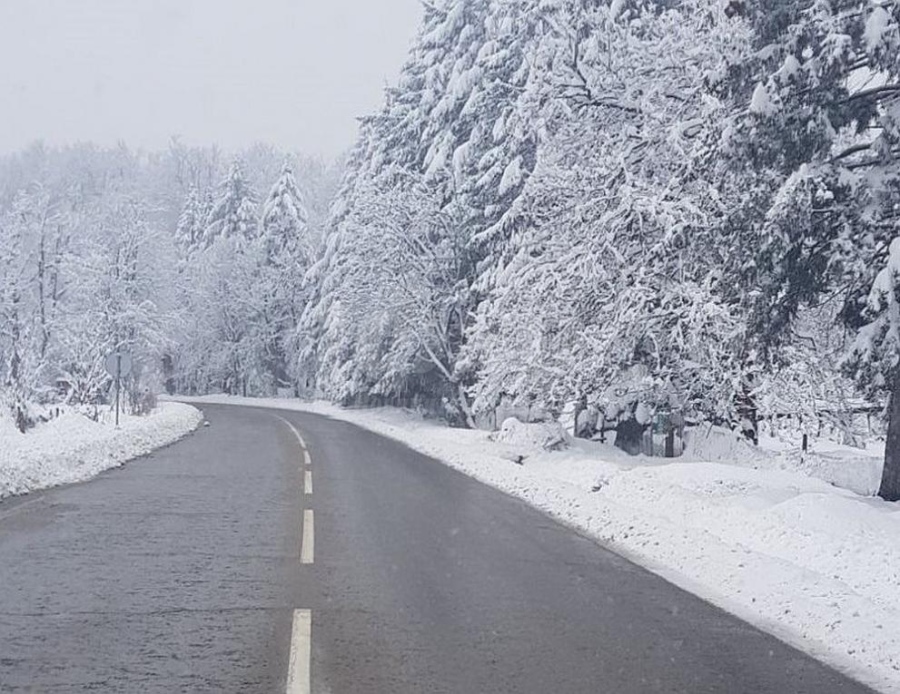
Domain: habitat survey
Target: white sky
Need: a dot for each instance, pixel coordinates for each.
(295, 73)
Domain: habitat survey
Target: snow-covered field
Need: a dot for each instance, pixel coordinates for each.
(73, 447)
(757, 533)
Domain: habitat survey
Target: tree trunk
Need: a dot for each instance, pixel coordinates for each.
(670, 442)
(463, 402)
(890, 478)
(580, 406)
(42, 299)
(629, 435)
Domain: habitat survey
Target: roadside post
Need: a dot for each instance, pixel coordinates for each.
(119, 365)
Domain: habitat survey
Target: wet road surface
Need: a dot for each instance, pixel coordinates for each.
(185, 571)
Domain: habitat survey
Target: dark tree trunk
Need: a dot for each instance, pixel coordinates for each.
(629, 435)
(580, 407)
(890, 478)
(589, 428)
(749, 414)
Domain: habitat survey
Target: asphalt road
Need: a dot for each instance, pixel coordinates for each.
(191, 571)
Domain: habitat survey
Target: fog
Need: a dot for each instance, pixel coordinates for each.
(295, 73)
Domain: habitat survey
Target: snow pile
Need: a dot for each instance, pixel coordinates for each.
(848, 468)
(858, 470)
(73, 447)
(718, 444)
(760, 103)
(812, 563)
(546, 436)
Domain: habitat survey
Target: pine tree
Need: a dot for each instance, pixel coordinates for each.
(233, 213)
(191, 223)
(286, 256)
(400, 271)
(285, 221)
(875, 360)
(816, 151)
(607, 290)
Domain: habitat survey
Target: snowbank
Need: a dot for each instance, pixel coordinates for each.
(548, 436)
(73, 448)
(815, 564)
(858, 470)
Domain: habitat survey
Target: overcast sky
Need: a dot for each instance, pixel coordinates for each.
(295, 73)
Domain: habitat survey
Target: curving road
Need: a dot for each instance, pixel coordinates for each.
(235, 562)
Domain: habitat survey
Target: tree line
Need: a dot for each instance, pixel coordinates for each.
(172, 256)
(639, 206)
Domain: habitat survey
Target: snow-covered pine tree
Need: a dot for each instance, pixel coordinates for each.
(286, 256)
(285, 220)
(314, 338)
(407, 155)
(875, 360)
(233, 213)
(191, 223)
(492, 167)
(612, 276)
(815, 152)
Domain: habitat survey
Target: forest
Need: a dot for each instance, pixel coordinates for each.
(629, 208)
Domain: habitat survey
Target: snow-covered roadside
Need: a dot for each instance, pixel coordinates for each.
(814, 564)
(73, 448)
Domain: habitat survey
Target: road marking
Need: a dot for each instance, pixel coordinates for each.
(298, 679)
(307, 548)
(307, 482)
(294, 429)
(306, 458)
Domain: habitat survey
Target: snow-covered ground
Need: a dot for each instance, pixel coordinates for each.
(759, 534)
(73, 447)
